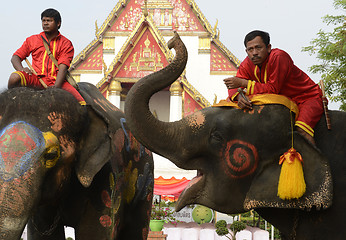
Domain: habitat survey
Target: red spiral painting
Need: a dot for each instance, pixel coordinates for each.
(240, 158)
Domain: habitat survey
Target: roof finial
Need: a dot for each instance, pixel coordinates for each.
(145, 10)
(215, 27)
(96, 28)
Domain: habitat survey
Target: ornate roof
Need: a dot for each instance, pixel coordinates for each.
(181, 15)
(145, 51)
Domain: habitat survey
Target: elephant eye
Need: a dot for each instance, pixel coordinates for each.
(216, 136)
(52, 153)
(51, 156)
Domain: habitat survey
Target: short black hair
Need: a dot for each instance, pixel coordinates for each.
(50, 12)
(251, 35)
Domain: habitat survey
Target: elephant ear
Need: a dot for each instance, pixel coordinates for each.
(318, 179)
(97, 147)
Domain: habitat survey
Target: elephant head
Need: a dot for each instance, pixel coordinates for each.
(236, 152)
(28, 152)
(47, 143)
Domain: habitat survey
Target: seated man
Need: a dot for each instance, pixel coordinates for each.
(267, 70)
(61, 48)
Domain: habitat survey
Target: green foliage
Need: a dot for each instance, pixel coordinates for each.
(237, 227)
(221, 228)
(69, 238)
(221, 224)
(222, 231)
(330, 49)
(161, 211)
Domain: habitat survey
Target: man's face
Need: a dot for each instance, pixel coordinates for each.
(257, 51)
(49, 25)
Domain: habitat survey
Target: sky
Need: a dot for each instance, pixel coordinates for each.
(291, 24)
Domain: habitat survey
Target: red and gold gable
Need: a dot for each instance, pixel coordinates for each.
(168, 14)
(129, 17)
(219, 62)
(94, 60)
(184, 19)
(145, 57)
(190, 104)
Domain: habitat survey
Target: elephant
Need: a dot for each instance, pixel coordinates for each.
(236, 154)
(64, 164)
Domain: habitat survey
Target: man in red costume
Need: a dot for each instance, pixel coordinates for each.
(267, 70)
(61, 48)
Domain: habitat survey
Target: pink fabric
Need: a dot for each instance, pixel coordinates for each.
(171, 186)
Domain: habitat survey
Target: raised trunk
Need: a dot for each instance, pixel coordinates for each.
(163, 138)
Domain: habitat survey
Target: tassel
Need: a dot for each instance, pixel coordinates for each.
(291, 181)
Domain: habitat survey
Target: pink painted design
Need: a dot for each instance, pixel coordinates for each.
(106, 199)
(240, 159)
(56, 121)
(105, 221)
(20, 145)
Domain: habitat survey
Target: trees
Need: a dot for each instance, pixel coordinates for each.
(330, 48)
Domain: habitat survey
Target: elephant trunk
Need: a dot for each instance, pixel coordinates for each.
(164, 138)
(21, 176)
(17, 199)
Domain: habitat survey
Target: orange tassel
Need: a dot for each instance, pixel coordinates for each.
(291, 182)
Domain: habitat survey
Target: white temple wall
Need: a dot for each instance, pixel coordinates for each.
(108, 59)
(119, 42)
(160, 103)
(91, 78)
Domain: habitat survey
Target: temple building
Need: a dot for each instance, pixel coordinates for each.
(132, 43)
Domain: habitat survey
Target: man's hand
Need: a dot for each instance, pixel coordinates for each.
(27, 70)
(235, 82)
(243, 101)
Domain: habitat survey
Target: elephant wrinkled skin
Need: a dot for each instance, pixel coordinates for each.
(236, 153)
(63, 164)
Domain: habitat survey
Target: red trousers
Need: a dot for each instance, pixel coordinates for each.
(32, 80)
(310, 112)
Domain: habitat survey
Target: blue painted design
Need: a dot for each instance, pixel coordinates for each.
(128, 141)
(144, 182)
(21, 145)
(141, 150)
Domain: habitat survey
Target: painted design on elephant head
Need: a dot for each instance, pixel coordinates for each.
(240, 158)
(257, 109)
(112, 202)
(196, 120)
(20, 143)
(52, 147)
(68, 147)
(118, 139)
(130, 178)
(56, 121)
(105, 105)
(106, 221)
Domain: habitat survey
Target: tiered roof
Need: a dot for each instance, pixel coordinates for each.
(144, 23)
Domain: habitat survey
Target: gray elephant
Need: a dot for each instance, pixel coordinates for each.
(237, 152)
(63, 164)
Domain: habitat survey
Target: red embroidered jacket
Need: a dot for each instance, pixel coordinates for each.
(277, 75)
(61, 48)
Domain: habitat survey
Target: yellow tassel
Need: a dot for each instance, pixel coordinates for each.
(291, 182)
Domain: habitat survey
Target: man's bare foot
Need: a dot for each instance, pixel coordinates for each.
(306, 136)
